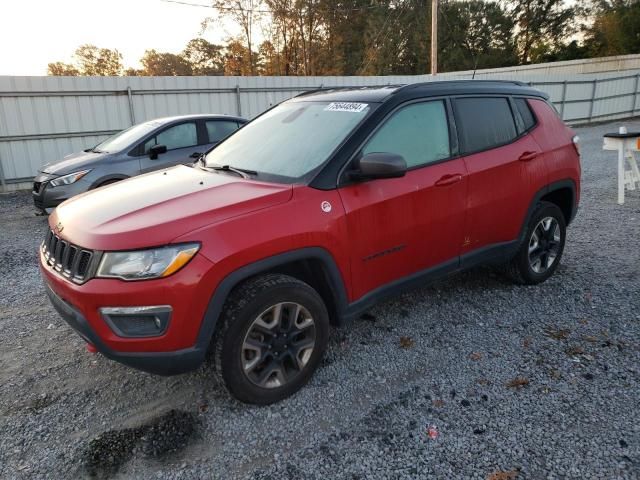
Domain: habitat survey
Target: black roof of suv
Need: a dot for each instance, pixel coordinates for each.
(379, 94)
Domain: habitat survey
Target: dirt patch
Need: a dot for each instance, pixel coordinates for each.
(168, 433)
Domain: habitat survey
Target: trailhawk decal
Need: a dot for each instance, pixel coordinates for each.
(346, 107)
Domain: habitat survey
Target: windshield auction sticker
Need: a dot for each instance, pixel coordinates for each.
(346, 107)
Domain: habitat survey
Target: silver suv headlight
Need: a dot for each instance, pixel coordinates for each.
(146, 264)
(68, 179)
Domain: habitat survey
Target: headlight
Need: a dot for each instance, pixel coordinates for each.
(68, 179)
(146, 264)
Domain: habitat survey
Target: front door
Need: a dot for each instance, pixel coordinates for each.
(398, 227)
(181, 141)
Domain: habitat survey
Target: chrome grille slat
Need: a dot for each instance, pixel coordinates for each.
(66, 258)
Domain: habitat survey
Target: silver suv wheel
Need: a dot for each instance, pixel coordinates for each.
(544, 244)
(278, 345)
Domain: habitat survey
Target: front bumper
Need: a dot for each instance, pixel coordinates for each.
(181, 348)
(46, 198)
(159, 363)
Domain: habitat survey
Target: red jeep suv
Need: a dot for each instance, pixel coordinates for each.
(307, 216)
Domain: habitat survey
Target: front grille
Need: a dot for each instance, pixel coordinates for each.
(36, 187)
(67, 259)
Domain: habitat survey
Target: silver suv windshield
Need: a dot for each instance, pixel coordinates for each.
(126, 137)
(289, 141)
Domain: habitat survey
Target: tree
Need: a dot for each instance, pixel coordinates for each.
(94, 61)
(236, 59)
(204, 57)
(475, 34)
(89, 60)
(61, 69)
(245, 13)
(268, 59)
(158, 64)
(615, 29)
(541, 23)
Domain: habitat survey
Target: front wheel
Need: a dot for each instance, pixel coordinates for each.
(274, 332)
(540, 253)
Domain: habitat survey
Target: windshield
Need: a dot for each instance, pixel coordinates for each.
(126, 137)
(291, 140)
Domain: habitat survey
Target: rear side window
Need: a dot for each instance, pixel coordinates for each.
(218, 130)
(419, 132)
(525, 112)
(178, 136)
(484, 123)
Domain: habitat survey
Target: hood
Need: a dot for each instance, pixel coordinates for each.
(73, 163)
(154, 209)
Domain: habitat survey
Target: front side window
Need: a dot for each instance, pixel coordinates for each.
(218, 130)
(291, 140)
(179, 136)
(484, 123)
(126, 138)
(418, 132)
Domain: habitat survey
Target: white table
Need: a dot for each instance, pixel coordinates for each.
(625, 143)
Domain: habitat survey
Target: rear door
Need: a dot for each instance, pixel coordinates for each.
(498, 155)
(181, 140)
(401, 226)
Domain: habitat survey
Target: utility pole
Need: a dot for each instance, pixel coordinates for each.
(434, 37)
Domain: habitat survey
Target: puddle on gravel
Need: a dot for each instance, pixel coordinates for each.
(168, 433)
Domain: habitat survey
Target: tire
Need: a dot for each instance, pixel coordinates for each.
(257, 362)
(547, 245)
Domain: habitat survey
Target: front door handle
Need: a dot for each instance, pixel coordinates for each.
(528, 156)
(449, 179)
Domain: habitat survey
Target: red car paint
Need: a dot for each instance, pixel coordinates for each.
(377, 232)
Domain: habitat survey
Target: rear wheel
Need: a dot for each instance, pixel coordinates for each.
(274, 332)
(540, 253)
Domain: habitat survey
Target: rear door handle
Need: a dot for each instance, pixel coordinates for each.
(449, 179)
(528, 156)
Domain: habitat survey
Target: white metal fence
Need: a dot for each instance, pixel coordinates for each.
(42, 119)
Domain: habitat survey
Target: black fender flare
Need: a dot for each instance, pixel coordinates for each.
(552, 187)
(222, 291)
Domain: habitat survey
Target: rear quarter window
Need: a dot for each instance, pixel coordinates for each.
(525, 113)
(484, 123)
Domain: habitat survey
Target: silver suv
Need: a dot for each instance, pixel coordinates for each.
(142, 148)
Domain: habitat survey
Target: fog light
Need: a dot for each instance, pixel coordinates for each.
(149, 321)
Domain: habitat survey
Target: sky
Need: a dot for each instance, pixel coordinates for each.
(36, 32)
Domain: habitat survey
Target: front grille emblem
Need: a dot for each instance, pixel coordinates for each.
(58, 228)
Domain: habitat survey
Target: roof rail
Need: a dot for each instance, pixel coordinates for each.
(466, 81)
(349, 87)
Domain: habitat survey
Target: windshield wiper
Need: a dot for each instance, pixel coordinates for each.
(244, 173)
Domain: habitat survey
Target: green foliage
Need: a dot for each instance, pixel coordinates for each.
(61, 69)
(385, 37)
(94, 61)
(156, 63)
(89, 60)
(541, 24)
(475, 34)
(616, 28)
(204, 57)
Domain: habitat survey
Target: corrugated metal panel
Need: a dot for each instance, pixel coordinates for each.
(42, 119)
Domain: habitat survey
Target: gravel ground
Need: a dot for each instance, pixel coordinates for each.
(468, 378)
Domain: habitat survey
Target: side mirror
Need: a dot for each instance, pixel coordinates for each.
(379, 165)
(195, 155)
(157, 150)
